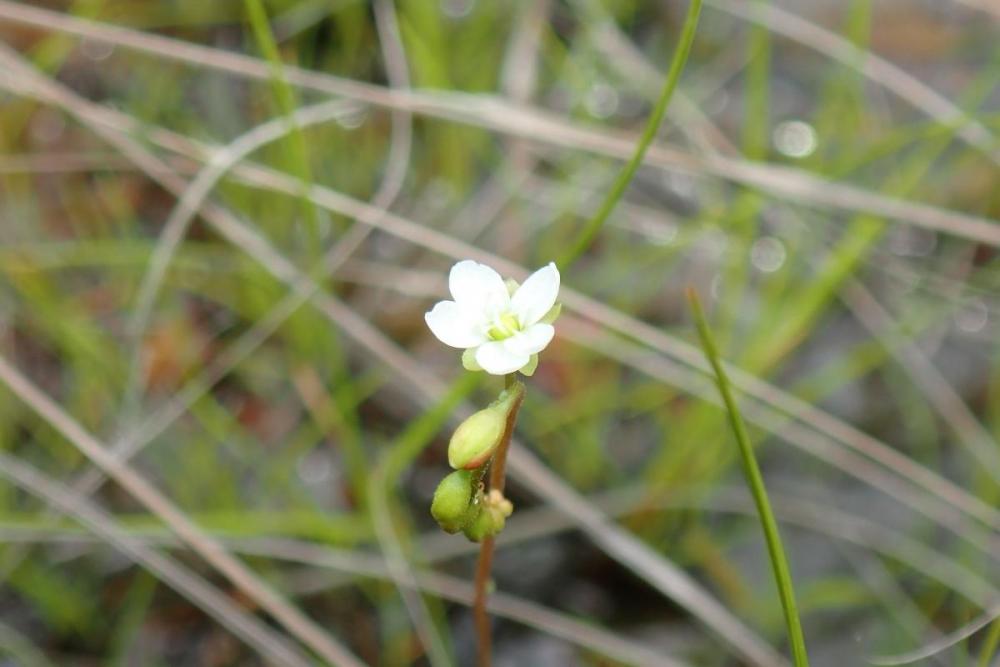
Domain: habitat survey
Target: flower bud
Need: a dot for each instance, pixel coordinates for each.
(493, 510)
(474, 440)
(452, 501)
(481, 526)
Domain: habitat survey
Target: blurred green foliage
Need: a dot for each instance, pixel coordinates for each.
(286, 445)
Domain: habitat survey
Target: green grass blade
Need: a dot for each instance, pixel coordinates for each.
(297, 148)
(990, 644)
(755, 480)
(595, 223)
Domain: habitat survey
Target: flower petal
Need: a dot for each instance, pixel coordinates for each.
(454, 326)
(497, 359)
(530, 341)
(536, 296)
(478, 288)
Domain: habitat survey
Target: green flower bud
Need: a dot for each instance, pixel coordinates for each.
(453, 501)
(481, 526)
(474, 440)
(493, 510)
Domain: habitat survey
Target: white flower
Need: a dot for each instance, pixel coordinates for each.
(500, 329)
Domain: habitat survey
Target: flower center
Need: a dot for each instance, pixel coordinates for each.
(504, 326)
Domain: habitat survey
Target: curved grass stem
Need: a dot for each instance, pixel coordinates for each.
(618, 188)
(755, 481)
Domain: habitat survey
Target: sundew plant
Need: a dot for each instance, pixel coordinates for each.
(482, 332)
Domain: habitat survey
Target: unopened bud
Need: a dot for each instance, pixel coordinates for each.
(452, 501)
(477, 437)
(491, 519)
(483, 525)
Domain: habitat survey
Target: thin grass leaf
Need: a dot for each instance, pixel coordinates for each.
(593, 226)
(253, 631)
(989, 648)
(779, 563)
(297, 151)
(207, 547)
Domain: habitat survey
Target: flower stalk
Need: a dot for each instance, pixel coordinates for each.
(498, 473)
(501, 326)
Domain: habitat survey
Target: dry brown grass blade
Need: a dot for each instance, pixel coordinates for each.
(879, 70)
(459, 590)
(941, 644)
(822, 445)
(188, 205)
(150, 497)
(534, 124)
(915, 364)
(251, 630)
(360, 564)
(399, 571)
(794, 510)
(62, 163)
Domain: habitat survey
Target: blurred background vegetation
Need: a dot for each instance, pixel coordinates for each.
(231, 304)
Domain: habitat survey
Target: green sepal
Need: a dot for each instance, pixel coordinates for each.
(553, 314)
(530, 367)
(469, 362)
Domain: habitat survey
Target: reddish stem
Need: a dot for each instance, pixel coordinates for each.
(498, 468)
